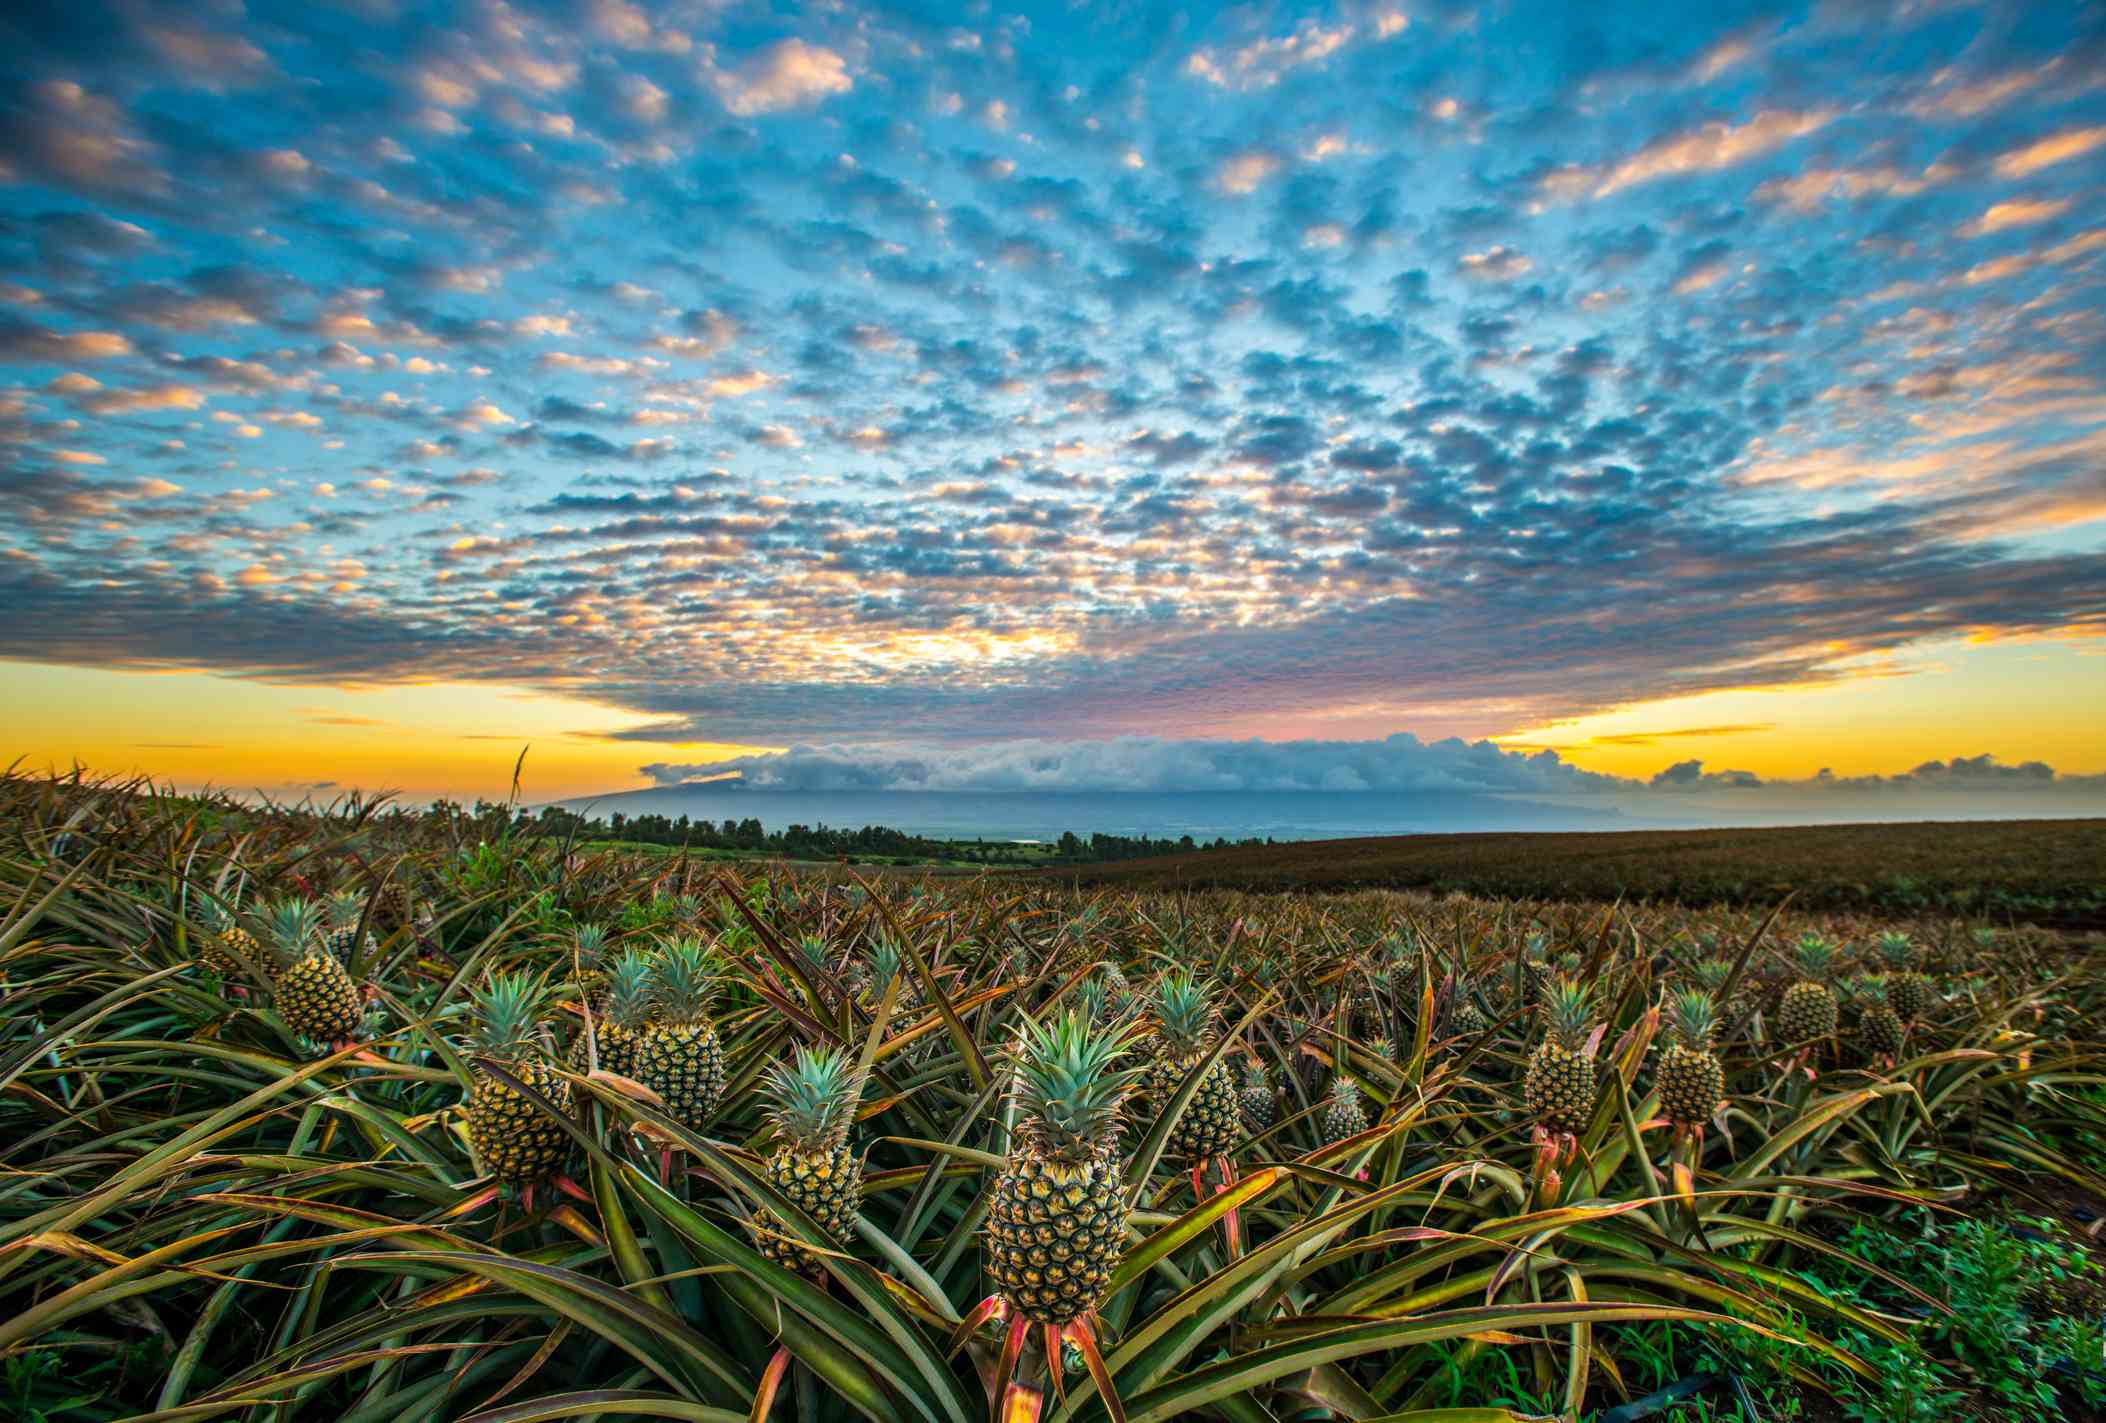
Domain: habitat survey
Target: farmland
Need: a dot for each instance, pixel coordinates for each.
(372, 1114)
(2051, 871)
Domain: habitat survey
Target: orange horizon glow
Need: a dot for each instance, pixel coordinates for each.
(2017, 699)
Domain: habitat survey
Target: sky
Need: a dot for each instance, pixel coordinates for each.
(1571, 391)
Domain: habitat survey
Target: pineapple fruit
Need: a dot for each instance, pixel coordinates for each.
(1211, 1124)
(345, 911)
(812, 1105)
(1260, 1108)
(1808, 1009)
(622, 1019)
(313, 993)
(1343, 1114)
(1465, 1018)
(514, 1139)
(1057, 1225)
(1907, 989)
(225, 943)
(678, 1055)
(1879, 1026)
(1691, 1081)
(1559, 1088)
(1117, 992)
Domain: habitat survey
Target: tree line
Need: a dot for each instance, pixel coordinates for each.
(823, 842)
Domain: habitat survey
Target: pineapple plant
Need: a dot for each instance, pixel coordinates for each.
(590, 958)
(1184, 1024)
(678, 1055)
(1879, 1026)
(1343, 1114)
(1907, 989)
(1057, 1226)
(1260, 1107)
(1691, 1081)
(345, 911)
(1117, 991)
(224, 944)
(515, 1140)
(621, 1020)
(313, 993)
(1465, 1018)
(1559, 1087)
(1711, 976)
(1808, 1009)
(811, 1106)
(887, 963)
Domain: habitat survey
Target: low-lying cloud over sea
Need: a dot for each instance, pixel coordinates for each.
(1308, 789)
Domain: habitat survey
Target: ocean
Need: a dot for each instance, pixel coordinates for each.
(1293, 815)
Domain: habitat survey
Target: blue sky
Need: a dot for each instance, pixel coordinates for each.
(942, 374)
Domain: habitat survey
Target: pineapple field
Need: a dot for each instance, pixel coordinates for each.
(370, 1114)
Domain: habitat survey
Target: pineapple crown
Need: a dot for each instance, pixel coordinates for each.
(1872, 988)
(505, 1009)
(1568, 1009)
(683, 981)
(346, 908)
(218, 917)
(1182, 1013)
(1093, 1000)
(812, 1099)
(1256, 1078)
(1694, 1018)
(886, 961)
(1814, 955)
(1067, 1089)
(813, 948)
(1713, 973)
(1343, 1091)
(294, 926)
(629, 984)
(592, 944)
(1896, 948)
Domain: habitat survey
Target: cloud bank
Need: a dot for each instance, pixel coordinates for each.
(1399, 764)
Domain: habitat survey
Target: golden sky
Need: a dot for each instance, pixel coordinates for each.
(425, 739)
(2019, 699)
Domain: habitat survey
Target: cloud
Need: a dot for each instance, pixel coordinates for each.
(2030, 158)
(2017, 212)
(1144, 763)
(1494, 264)
(854, 373)
(1705, 148)
(1263, 62)
(1244, 173)
(789, 74)
(1959, 775)
(26, 341)
(1967, 774)
(1691, 776)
